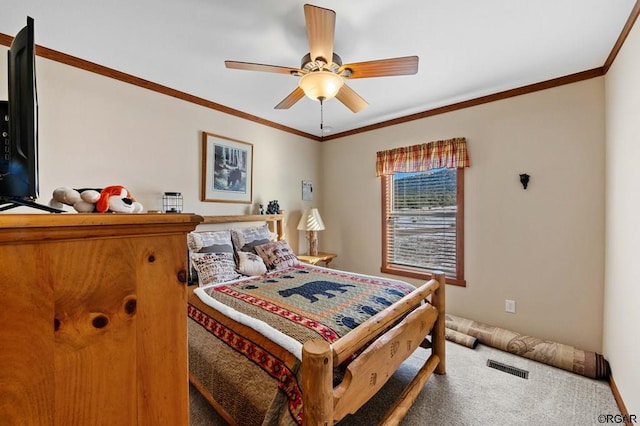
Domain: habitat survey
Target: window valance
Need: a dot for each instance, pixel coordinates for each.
(450, 153)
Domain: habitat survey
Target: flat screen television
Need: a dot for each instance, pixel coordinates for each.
(19, 127)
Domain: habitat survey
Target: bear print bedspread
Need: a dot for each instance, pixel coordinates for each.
(306, 302)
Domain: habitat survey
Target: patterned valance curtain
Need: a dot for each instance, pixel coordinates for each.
(450, 153)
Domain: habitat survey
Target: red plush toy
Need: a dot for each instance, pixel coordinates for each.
(117, 199)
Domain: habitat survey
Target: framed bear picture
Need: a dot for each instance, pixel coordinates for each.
(227, 169)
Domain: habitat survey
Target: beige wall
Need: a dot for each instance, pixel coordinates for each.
(96, 131)
(622, 277)
(543, 247)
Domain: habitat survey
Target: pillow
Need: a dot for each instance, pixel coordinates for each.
(207, 242)
(210, 242)
(246, 239)
(214, 267)
(277, 255)
(250, 264)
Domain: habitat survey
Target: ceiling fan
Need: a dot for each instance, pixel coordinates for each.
(322, 74)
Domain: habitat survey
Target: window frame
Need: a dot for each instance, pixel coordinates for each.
(416, 272)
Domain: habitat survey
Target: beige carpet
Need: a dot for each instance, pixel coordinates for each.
(473, 394)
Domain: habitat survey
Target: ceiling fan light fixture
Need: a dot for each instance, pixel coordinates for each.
(321, 85)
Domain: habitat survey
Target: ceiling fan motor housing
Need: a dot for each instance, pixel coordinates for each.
(306, 64)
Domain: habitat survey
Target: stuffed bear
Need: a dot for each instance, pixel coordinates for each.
(88, 200)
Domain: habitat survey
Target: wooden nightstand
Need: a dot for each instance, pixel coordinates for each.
(321, 257)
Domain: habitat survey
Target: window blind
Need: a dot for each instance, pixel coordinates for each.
(421, 215)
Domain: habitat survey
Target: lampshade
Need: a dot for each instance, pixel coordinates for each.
(321, 85)
(311, 221)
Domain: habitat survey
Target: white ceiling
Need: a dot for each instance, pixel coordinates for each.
(467, 48)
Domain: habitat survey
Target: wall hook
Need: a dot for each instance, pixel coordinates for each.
(524, 180)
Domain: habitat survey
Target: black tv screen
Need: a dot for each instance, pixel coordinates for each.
(19, 166)
(19, 123)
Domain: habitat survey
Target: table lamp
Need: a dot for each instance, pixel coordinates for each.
(312, 223)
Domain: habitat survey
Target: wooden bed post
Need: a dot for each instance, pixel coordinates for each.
(317, 383)
(438, 300)
(280, 226)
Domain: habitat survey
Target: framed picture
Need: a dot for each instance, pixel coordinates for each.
(227, 169)
(307, 190)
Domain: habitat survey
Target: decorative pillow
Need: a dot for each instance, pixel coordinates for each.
(207, 242)
(277, 255)
(246, 239)
(210, 242)
(214, 267)
(250, 264)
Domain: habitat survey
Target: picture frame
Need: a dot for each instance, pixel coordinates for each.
(227, 169)
(307, 190)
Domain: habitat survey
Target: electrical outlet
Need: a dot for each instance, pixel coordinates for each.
(510, 306)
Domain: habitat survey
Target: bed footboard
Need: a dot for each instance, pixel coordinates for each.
(388, 348)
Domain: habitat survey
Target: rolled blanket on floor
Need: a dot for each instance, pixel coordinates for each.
(585, 363)
(460, 338)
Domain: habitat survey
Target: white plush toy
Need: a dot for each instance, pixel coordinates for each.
(116, 199)
(83, 200)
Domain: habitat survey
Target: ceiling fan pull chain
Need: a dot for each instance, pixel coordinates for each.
(321, 117)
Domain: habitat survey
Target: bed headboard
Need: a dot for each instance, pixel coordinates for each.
(275, 222)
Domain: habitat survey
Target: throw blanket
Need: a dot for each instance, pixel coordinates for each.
(586, 363)
(290, 307)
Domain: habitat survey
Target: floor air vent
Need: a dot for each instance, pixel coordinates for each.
(508, 369)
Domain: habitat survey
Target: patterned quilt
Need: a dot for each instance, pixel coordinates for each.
(290, 307)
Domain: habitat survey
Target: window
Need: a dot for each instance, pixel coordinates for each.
(423, 224)
(423, 209)
(422, 217)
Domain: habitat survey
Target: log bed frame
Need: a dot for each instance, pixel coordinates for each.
(385, 349)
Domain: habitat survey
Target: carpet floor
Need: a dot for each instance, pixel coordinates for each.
(471, 393)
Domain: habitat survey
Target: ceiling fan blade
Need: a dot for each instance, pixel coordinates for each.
(382, 67)
(291, 99)
(321, 25)
(261, 67)
(351, 99)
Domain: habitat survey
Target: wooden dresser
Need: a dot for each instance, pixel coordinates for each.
(93, 319)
